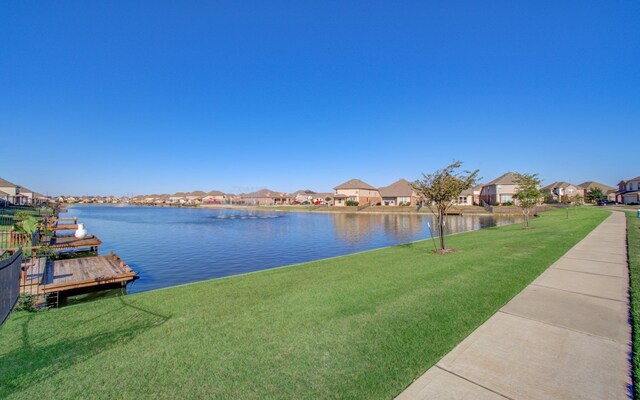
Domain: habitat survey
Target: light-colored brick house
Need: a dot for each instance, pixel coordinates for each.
(9, 192)
(499, 190)
(356, 190)
(609, 191)
(214, 197)
(266, 197)
(470, 196)
(398, 193)
(558, 190)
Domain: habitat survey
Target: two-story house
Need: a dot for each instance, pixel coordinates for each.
(608, 191)
(499, 190)
(356, 190)
(629, 191)
(558, 190)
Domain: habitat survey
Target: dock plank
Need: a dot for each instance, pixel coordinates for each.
(87, 271)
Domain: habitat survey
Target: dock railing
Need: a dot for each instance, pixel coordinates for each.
(10, 272)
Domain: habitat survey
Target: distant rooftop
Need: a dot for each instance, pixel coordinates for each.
(506, 179)
(400, 188)
(354, 184)
(6, 183)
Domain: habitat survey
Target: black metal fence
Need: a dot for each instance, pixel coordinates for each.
(10, 270)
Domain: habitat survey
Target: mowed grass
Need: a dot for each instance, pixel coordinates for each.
(633, 248)
(359, 327)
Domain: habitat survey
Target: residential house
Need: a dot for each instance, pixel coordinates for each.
(629, 191)
(322, 198)
(356, 190)
(9, 192)
(193, 199)
(470, 196)
(399, 193)
(177, 200)
(558, 190)
(214, 197)
(40, 198)
(609, 191)
(27, 196)
(303, 196)
(266, 197)
(499, 190)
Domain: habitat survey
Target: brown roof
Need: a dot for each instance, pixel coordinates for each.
(303, 191)
(506, 179)
(401, 188)
(5, 183)
(215, 193)
(264, 193)
(558, 185)
(354, 184)
(592, 184)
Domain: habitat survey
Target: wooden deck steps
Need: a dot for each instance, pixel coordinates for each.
(75, 273)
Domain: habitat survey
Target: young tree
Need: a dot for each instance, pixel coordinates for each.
(527, 194)
(578, 199)
(440, 189)
(595, 194)
(566, 200)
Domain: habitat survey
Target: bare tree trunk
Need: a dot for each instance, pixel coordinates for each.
(525, 211)
(441, 228)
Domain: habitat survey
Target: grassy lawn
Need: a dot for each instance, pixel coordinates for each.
(361, 326)
(633, 242)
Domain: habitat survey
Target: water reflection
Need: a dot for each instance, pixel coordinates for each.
(170, 246)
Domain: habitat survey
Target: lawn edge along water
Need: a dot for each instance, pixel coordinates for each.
(633, 257)
(360, 325)
(313, 261)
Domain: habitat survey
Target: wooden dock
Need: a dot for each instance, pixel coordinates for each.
(63, 243)
(454, 211)
(64, 227)
(43, 277)
(71, 242)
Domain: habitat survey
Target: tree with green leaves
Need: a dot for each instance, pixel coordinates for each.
(528, 193)
(26, 228)
(441, 189)
(595, 194)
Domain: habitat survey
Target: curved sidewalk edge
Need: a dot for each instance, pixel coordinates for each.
(565, 336)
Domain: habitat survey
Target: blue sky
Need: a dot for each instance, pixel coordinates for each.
(147, 97)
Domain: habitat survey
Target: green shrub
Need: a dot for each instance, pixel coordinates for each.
(352, 203)
(26, 303)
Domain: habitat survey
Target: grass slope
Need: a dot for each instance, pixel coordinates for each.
(360, 326)
(633, 243)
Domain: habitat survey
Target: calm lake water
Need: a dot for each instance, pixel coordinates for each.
(172, 246)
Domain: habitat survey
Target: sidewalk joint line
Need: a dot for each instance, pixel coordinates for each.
(590, 273)
(561, 327)
(584, 294)
(474, 383)
(586, 259)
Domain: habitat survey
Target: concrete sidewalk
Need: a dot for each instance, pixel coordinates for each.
(565, 336)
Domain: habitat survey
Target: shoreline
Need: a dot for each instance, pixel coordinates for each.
(372, 210)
